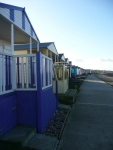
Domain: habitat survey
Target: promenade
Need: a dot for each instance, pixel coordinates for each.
(90, 124)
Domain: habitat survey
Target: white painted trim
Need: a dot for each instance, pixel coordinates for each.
(48, 69)
(37, 46)
(45, 87)
(25, 55)
(12, 38)
(0, 73)
(22, 68)
(5, 54)
(35, 72)
(46, 57)
(44, 75)
(51, 71)
(13, 74)
(3, 68)
(25, 89)
(9, 91)
(27, 72)
(30, 45)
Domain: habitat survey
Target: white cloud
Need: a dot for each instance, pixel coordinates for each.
(79, 60)
(107, 59)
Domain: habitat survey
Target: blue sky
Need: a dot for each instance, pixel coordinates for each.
(81, 29)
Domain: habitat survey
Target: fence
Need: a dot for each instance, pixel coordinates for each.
(5, 73)
(17, 72)
(25, 71)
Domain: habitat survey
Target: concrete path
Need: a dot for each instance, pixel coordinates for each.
(90, 124)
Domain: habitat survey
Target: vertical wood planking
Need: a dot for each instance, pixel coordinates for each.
(35, 71)
(1, 73)
(27, 72)
(51, 71)
(6, 71)
(12, 38)
(3, 68)
(18, 73)
(48, 71)
(22, 68)
(14, 75)
(9, 72)
(43, 70)
(30, 45)
(31, 69)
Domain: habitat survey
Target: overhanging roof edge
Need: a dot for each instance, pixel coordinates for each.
(11, 7)
(3, 5)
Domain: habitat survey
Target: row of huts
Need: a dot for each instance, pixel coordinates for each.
(31, 73)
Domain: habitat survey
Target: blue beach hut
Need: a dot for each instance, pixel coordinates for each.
(26, 94)
(74, 71)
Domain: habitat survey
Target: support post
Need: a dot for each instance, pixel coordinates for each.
(51, 55)
(55, 58)
(47, 53)
(30, 45)
(12, 38)
(37, 46)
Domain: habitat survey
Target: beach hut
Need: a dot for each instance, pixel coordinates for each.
(61, 58)
(48, 49)
(62, 72)
(26, 94)
(74, 71)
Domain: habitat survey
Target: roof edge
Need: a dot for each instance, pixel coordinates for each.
(11, 7)
(31, 25)
(3, 5)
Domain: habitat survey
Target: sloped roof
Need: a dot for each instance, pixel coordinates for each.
(50, 46)
(45, 45)
(67, 60)
(18, 13)
(61, 56)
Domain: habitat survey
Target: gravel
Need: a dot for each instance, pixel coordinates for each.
(54, 127)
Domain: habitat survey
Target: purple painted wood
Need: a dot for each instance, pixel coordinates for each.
(39, 60)
(47, 102)
(18, 77)
(27, 108)
(7, 112)
(48, 106)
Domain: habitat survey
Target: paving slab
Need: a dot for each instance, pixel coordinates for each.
(19, 134)
(90, 124)
(17, 137)
(42, 142)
